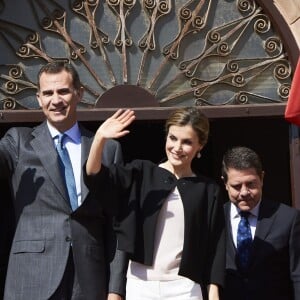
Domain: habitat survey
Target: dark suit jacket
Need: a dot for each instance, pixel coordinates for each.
(46, 227)
(147, 186)
(274, 271)
(6, 231)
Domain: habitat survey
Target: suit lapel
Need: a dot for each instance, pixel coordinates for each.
(231, 249)
(42, 144)
(86, 141)
(228, 224)
(265, 220)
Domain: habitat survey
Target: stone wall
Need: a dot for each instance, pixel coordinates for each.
(290, 10)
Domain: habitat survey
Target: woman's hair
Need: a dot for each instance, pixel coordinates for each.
(190, 116)
(57, 67)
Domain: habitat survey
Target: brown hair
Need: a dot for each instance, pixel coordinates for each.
(190, 116)
(57, 67)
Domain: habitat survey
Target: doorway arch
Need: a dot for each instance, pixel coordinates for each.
(232, 58)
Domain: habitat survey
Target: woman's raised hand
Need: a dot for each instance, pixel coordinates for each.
(114, 127)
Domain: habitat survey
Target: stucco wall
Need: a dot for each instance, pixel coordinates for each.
(290, 10)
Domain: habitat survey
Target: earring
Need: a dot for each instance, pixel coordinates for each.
(198, 155)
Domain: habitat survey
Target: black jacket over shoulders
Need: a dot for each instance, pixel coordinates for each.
(143, 188)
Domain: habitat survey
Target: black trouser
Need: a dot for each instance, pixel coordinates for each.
(68, 288)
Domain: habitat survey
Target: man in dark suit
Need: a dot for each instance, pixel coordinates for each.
(58, 252)
(272, 268)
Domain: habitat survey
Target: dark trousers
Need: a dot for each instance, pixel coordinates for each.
(68, 288)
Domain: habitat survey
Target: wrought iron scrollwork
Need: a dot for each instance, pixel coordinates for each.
(180, 52)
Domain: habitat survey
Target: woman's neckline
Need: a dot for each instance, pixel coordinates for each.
(187, 174)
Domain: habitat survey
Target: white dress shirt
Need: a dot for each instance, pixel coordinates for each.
(235, 219)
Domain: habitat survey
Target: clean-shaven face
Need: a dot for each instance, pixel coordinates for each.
(58, 99)
(244, 188)
(182, 144)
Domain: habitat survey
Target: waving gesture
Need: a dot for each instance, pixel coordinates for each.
(113, 127)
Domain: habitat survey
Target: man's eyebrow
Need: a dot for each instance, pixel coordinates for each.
(65, 88)
(47, 92)
(61, 90)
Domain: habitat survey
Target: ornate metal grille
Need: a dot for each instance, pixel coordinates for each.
(153, 52)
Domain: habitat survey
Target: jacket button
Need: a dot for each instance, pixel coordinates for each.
(68, 239)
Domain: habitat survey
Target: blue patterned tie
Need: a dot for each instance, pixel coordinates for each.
(67, 171)
(244, 240)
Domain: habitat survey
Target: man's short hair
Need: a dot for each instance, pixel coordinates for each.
(57, 67)
(241, 158)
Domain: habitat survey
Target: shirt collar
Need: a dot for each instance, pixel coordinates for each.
(235, 211)
(73, 133)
